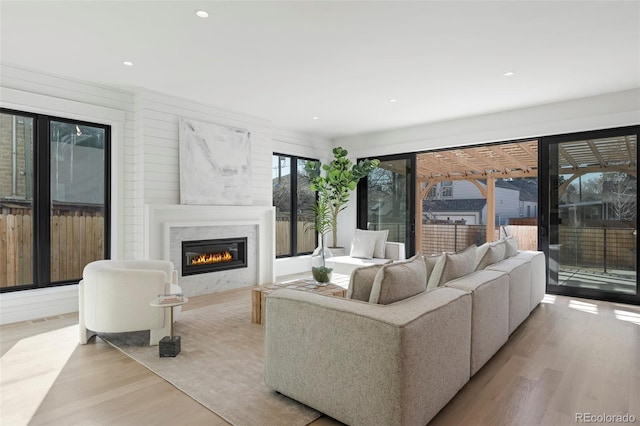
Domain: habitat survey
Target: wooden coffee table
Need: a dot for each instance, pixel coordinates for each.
(259, 293)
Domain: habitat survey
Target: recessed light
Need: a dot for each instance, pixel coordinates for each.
(315, 118)
(128, 63)
(202, 14)
(509, 73)
(393, 100)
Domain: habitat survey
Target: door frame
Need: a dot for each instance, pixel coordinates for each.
(362, 200)
(546, 217)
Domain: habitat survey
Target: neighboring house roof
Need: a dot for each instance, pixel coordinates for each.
(527, 187)
(454, 205)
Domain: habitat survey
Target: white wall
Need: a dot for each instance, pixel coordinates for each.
(597, 112)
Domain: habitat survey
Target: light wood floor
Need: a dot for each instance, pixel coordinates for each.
(570, 356)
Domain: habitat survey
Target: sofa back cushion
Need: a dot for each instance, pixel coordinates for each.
(363, 246)
(361, 282)
(381, 240)
(451, 266)
(501, 248)
(511, 247)
(431, 262)
(481, 252)
(489, 253)
(399, 280)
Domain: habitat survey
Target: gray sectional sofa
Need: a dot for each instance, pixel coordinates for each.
(406, 339)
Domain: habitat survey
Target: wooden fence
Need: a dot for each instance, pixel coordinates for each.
(76, 239)
(306, 237)
(599, 248)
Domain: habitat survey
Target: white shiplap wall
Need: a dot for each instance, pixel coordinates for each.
(301, 144)
(36, 92)
(157, 123)
(157, 165)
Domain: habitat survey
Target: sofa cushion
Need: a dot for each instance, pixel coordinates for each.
(481, 252)
(490, 253)
(431, 263)
(501, 246)
(381, 239)
(346, 264)
(452, 265)
(361, 282)
(363, 245)
(399, 280)
(511, 247)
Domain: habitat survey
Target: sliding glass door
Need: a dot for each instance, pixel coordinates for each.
(386, 200)
(588, 216)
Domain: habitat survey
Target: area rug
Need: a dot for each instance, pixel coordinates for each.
(221, 366)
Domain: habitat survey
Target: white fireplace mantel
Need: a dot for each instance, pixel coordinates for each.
(159, 219)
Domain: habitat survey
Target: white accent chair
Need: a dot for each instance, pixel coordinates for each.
(114, 297)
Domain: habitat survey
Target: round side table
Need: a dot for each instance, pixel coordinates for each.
(169, 345)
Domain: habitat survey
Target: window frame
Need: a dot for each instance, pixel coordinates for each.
(293, 205)
(42, 197)
(447, 188)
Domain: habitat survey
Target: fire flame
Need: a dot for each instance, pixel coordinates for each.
(205, 259)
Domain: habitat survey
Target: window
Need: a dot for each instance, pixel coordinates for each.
(54, 198)
(447, 188)
(432, 192)
(295, 218)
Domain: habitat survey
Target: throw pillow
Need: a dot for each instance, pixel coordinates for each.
(481, 252)
(492, 255)
(363, 245)
(399, 280)
(381, 240)
(501, 246)
(452, 265)
(361, 282)
(512, 247)
(431, 262)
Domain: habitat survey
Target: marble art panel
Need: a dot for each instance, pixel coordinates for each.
(194, 285)
(215, 164)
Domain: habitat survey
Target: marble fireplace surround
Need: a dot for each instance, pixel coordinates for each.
(166, 224)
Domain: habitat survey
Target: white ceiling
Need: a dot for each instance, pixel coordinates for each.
(339, 61)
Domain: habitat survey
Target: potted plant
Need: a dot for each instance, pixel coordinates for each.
(322, 225)
(340, 179)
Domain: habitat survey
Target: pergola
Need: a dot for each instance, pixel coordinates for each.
(487, 163)
(518, 160)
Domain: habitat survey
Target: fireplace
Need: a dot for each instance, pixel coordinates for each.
(203, 256)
